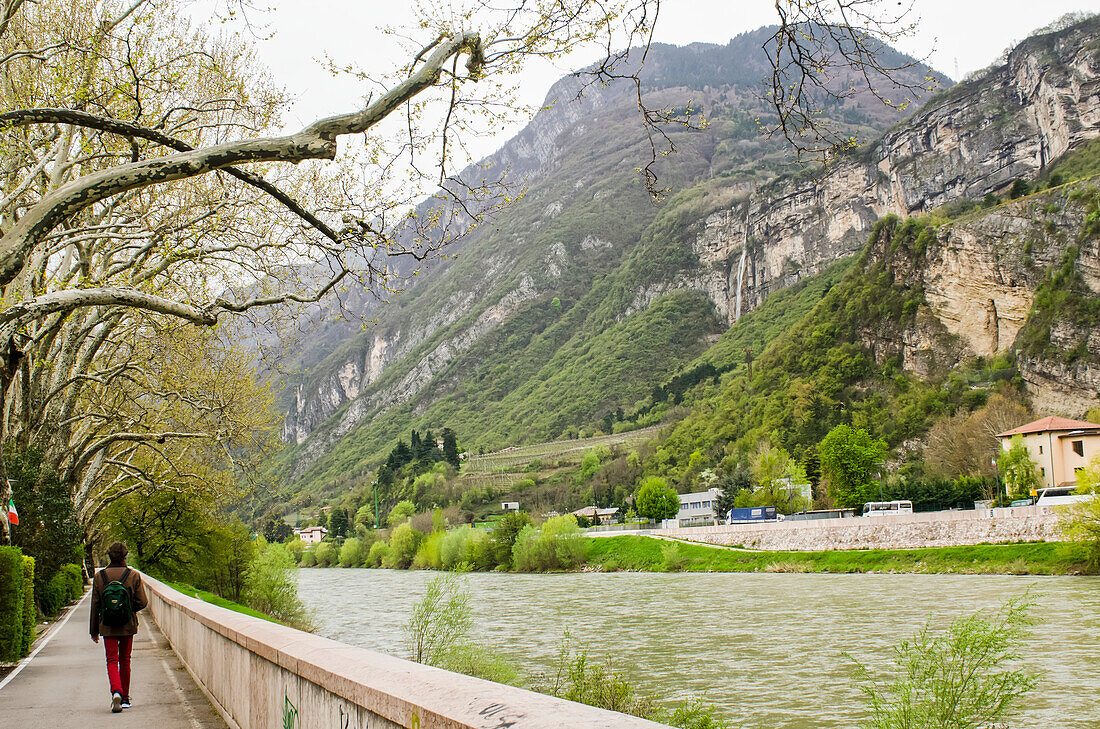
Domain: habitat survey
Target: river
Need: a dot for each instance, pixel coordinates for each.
(767, 648)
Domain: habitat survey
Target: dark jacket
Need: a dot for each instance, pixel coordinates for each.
(138, 601)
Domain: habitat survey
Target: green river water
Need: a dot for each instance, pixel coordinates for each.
(766, 648)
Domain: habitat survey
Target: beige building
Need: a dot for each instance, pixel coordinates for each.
(312, 535)
(1060, 447)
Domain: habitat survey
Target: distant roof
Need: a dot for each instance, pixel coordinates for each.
(1052, 423)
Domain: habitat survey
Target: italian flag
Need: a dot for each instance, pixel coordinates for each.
(13, 515)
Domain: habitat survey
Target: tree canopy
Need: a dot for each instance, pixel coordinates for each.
(850, 458)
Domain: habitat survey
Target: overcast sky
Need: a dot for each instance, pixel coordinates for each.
(958, 36)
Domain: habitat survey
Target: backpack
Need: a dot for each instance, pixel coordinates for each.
(115, 609)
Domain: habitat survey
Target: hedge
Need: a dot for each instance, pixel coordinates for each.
(66, 585)
(12, 601)
(30, 612)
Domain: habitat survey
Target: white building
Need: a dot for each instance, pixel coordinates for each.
(312, 535)
(695, 508)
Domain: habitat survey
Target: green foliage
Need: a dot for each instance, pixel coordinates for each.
(480, 662)
(48, 529)
(965, 679)
(557, 545)
(220, 601)
(657, 500)
(1018, 470)
(271, 586)
(379, 554)
(12, 604)
(1076, 164)
(1062, 296)
(276, 529)
(66, 585)
(850, 459)
(350, 553)
(337, 522)
(404, 541)
(730, 485)
(605, 684)
(439, 621)
(428, 554)
(781, 481)
(168, 531)
(325, 554)
(30, 612)
(672, 559)
(504, 535)
(1081, 521)
(364, 516)
(401, 512)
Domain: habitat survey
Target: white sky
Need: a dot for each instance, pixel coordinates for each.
(969, 33)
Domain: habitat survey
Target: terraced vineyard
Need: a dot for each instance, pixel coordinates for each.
(558, 452)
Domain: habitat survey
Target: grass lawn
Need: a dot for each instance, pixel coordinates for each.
(218, 600)
(632, 552)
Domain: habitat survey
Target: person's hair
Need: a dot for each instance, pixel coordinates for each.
(117, 552)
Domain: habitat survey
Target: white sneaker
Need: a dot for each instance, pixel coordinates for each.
(126, 703)
(116, 703)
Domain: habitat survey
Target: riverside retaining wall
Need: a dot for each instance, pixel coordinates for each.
(260, 675)
(903, 531)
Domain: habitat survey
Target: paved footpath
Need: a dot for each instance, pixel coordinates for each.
(65, 685)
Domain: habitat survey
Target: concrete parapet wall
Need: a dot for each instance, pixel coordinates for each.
(260, 675)
(903, 531)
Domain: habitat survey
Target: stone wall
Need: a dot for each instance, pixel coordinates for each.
(260, 675)
(907, 531)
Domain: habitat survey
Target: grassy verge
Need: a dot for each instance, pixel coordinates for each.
(219, 601)
(631, 552)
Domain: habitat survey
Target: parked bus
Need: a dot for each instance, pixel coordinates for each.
(887, 508)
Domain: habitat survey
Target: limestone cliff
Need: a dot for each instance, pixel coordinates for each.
(977, 138)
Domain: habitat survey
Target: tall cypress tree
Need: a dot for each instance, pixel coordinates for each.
(450, 447)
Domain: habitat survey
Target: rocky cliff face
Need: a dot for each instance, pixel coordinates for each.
(979, 277)
(977, 138)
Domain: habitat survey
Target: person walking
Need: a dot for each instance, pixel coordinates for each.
(117, 596)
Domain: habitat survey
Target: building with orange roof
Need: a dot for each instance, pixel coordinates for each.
(1060, 447)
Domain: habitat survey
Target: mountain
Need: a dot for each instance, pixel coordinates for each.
(584, 302)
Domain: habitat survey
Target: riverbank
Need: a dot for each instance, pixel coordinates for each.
(633, 552)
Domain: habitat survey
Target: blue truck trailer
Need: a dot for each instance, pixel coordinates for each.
(751, 514)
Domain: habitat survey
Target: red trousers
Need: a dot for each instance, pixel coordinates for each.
(118, 663)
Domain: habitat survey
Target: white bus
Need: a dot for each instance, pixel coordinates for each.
(887, 508)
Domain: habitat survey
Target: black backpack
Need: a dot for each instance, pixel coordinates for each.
(115, 609)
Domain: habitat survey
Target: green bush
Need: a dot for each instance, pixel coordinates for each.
(309, 558)
(379, 552)
(326, 554)
(428, 555)
(74, 579)
(452, 551)
(12, 589)
(968, 677)
(404, 542)
(64, 586)
(271, 586)
(349, 553)
(30, 612)
(556, 545)
(54, 595)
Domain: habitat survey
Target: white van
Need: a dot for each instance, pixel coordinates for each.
(887, 508)
(1058, 495)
